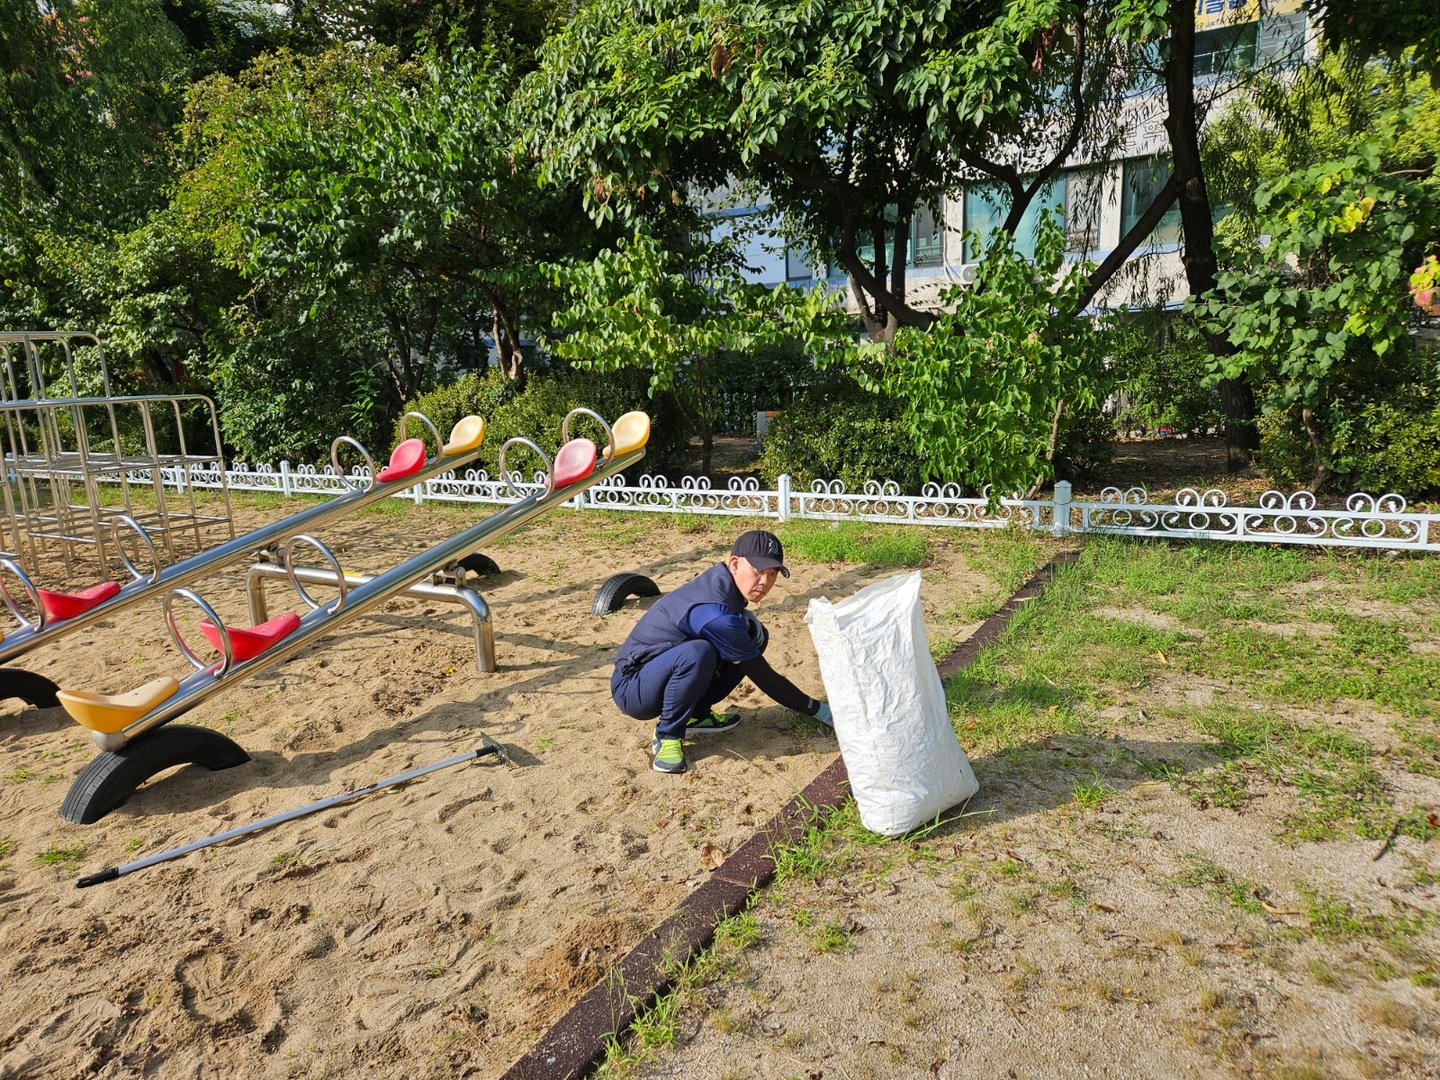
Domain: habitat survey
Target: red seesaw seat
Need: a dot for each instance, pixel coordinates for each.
(251, 642)
(59, 605)
(406, 459)
(575, 461)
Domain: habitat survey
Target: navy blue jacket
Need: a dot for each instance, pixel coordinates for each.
(660, 629)
(663, 627)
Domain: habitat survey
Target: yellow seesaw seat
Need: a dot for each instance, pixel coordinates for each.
(631, 432)
(108, 714)
(465, 435)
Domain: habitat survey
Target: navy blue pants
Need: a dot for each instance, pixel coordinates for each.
(687, 680)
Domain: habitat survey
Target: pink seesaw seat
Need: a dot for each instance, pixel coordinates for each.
(575, 461)
(59, 605)
(248, 643)
(406, 459)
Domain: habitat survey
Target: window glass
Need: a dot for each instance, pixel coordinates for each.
(1143, 179)
(927, 238)
(1226, 48)
(1082, 212)
(1281, 39)
(987, 204)
(797, 263)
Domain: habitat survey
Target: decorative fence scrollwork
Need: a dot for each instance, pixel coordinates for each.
(1367, 520)
(1383, 521)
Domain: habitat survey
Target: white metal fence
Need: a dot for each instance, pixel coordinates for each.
(1366, 522)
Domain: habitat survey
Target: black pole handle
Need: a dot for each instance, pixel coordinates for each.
(96, 879)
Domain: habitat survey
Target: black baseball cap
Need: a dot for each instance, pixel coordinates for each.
(761, 550)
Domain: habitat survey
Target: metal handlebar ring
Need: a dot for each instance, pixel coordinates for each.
(39, 623)
(565, 427)
(289, 552)
(144, 536)
(439, 442)
(505, 473)
(335, 458)
(227, 651)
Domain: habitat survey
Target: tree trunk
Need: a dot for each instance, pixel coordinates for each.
(1237, 398)
(1323, 475)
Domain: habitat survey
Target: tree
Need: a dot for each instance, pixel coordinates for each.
(1374, 28)
(644, 304)
(848, 116)
(1321, 315)
(88, 92)
(989, 388)
(1182, 123)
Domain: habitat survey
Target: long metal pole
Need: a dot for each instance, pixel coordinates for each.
(17, 642)
(288, 815)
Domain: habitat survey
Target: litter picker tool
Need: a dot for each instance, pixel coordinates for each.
(289, 815)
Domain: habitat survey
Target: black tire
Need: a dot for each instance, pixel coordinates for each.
(28, 687)
(113, 777)
(482, 565)
(619, 588)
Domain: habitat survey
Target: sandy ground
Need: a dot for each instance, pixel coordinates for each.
(429, 930)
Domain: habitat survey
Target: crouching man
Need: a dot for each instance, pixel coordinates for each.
(693, 647)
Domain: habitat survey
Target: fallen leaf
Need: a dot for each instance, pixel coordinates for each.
(1277, 911)
(711, 856)
(1161, 657)
(1106, 907)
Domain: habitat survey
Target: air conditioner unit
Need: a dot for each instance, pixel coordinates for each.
(968, 273)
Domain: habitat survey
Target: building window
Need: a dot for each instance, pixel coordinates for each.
(927, 238)
(986, 206)
(797, 264)
(1225, 49)
(926, 245)
(1143, 179)
(1082, 212)
(1281, 39)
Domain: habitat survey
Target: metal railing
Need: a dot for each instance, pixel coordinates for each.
(1366, 521)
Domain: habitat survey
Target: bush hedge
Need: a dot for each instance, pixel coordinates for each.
(838, 431)
(1389, 445)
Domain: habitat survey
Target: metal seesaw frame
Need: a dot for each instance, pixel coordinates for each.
(133, 754)
(165, 579)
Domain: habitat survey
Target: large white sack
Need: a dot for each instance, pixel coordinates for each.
(888, 706)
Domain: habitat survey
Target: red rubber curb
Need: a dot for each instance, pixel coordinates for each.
(577, 1040)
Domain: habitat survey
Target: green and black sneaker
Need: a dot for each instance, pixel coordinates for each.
(709, 725)
(669, 755)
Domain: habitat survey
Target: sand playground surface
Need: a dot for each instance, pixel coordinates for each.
(430, 930)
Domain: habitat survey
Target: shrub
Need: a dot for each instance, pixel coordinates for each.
(536, 412)
(1160, 366)
(742, 384)
(839, 432)
(1391, 444)
(1086, 442)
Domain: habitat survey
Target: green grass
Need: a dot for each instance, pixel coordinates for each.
(876, 546)
(66, 858)
(1199, 872)
(1089, 794)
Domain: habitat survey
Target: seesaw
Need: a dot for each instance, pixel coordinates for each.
(61, 613)
(130, 728)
